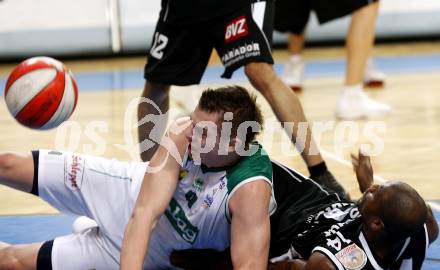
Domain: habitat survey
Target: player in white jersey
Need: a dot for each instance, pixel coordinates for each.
(198, 212)
(195, 198)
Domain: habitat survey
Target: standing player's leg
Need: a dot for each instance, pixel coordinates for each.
(286, 106)
(295, 43)
(293, 74)
(292, 17)
(253, 50)
(353, 102)
(288, 109)
(158, 94)
(359, 42)
(178, 55)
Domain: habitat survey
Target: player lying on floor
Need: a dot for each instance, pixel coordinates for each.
(192, 204)
(389, 227)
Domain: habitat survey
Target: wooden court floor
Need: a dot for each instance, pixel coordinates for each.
(410, 135)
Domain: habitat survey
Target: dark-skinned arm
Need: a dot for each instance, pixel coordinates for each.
(431, 225)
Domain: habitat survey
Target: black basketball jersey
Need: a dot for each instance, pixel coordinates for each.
(311, 219)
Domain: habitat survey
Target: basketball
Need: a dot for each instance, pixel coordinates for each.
(41, 93)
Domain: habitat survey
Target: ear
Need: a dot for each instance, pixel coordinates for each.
(376, 224)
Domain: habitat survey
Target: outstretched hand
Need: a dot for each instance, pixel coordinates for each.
(364, 170)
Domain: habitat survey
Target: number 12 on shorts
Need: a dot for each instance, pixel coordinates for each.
(160, 42)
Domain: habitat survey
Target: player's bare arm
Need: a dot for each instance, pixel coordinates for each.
(431, 225)
(155, 194)
(250, 226)
(17, 170)
(363, 169)
(319, 261)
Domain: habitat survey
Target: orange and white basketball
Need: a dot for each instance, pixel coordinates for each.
(41, 93)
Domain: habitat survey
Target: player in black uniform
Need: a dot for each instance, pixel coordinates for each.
(390, 227)
(241, 33)
(293, 16)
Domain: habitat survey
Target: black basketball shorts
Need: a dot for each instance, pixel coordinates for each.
(180, 53)
(292, 16)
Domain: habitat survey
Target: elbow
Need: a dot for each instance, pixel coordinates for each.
(144, 215)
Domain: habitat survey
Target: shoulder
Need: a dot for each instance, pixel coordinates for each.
(254, 197)
(253, 167)
(249, 184)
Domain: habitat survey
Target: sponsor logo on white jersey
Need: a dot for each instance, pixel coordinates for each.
(177, 217)
(209, 198)
(74, 172)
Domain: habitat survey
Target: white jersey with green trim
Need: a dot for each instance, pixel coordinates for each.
(198, 213)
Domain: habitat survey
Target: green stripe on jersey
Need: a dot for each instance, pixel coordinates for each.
(177, 217)
(247, 167)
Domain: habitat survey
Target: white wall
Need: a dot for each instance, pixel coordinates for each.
(52, 27)
(138, 19)
(409, 6)
(27, 15)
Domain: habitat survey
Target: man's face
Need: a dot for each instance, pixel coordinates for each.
(204, 134)
(371, 200)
